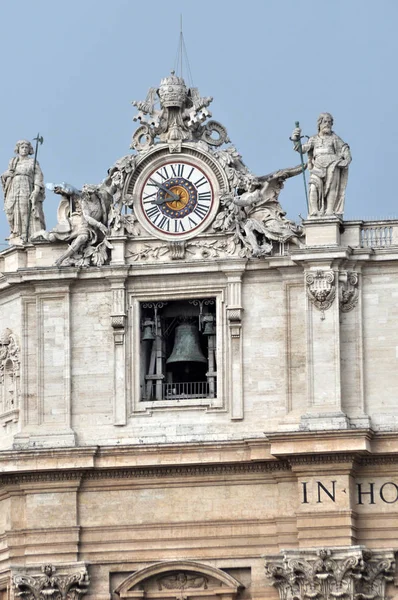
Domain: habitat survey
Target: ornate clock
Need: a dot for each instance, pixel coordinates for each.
(176, 196)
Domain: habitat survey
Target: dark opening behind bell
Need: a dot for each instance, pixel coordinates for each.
(186, 345)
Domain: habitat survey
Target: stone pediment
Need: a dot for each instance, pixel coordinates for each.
(180, 580)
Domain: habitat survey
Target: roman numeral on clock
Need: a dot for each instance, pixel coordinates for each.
(146, 198)
(178, 226)
(164, 223)
(201, 181)
(178, 170)
(201, 210)
(204, 196)
(152, 211)
(164, 175)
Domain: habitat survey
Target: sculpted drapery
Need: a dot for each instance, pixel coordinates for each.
(23, 188)
(328, 160)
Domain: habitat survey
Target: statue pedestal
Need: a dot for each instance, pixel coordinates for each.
(323, 231)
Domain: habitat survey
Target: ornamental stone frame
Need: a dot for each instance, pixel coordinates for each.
(229, 359)
(179, 580)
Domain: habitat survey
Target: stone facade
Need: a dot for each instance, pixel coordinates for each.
(278, 474)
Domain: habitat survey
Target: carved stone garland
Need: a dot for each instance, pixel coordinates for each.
(9, 374)
(52, 585)
(353, 573)
(321, 289)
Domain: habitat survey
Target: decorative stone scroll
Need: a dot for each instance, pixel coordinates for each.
(349, 292)
(351, 573)
(174, 113)
(9, 376)
(61, 583)
(321, 289)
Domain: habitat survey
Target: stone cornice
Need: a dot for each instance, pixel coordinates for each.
(205, 470)
(278, 452)
(324, 442)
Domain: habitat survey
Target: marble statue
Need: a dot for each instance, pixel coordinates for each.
(23, 188)
(257, 217)
(82, 221)
(87, 217)
(328, 160)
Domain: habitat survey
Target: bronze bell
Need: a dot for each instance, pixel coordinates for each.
(147, 333)
(186, 345)
(208, 321)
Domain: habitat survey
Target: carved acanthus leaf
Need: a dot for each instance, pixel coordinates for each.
(353, 573)
(68, 584)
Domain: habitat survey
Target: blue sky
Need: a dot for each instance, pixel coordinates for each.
(71, 69)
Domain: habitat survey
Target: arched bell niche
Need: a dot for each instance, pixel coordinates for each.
(179, 580)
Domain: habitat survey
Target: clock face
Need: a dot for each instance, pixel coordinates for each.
(176, 198)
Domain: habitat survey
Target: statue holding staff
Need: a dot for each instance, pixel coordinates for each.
(23, 188)
(328, 160)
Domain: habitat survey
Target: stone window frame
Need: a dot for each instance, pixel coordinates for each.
(227, 589)
(183, 293)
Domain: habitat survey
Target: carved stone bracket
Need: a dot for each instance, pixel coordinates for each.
(321, 289)
(9, 376)
(234, 316)
(118, 316)
(352, 573)
(349, 292)
(52, 583)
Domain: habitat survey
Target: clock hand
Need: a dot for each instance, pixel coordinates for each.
(168, 192)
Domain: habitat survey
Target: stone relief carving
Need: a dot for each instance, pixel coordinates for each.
(179, 580)
(9, 373)
(52, 585)
(321, 289)
(182, 581)
(181, 115)
(250, 221)
(328, 160)
(348, 574)
(196, 249)
(349, 292)
(256, 217)
(23, 189)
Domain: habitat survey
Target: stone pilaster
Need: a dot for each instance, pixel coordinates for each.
(118, 322)
(235, 340)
